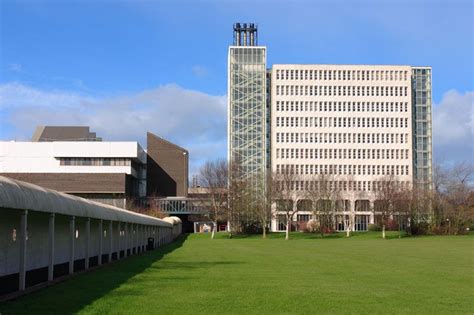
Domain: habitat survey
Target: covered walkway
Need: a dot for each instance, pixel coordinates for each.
(45, 234)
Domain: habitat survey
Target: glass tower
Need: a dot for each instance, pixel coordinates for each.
(247, 107)
(421, 113)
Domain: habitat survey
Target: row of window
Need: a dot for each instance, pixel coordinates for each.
(305, 106)
(389, 154)
(338, 186)
(342, 122)
(95, 161)
(340, 90)
(311, 137)
(342, 169)
(364, 75)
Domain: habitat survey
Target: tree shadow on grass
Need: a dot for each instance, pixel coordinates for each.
(79, 291)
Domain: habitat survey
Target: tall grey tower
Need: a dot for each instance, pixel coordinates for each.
(247, 110)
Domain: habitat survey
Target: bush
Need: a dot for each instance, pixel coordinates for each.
(375, 227)
(251, 228)
(418, 228)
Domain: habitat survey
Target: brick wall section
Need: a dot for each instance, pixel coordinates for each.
(75, 182)
(167, 168)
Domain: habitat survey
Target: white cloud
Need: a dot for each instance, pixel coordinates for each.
(453, 127)
(191, 119)
(19, 95)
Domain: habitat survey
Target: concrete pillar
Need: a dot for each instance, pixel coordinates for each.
(372, 217)
(23, 244)
(126, 240)
(135, 241)
(119, 241)
(51, 248)
(72, 239)
(159, 236)
(143, 238)
(101, 238)
(88, 241)
(111, 244)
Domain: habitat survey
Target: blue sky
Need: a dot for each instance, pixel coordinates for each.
(163, 63)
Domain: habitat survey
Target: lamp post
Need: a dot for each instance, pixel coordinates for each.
(449, 226)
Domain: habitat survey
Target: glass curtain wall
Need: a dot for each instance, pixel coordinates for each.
(247, 114)
(422, 146)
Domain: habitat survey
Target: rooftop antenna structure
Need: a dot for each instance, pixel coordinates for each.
(245, 34)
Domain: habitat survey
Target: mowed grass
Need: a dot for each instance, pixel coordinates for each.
(248, 275)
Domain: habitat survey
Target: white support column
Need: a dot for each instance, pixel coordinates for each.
(143, 238)
(126, 240)
(51, 248)
(119, 241)
(111, 243)
(372, 217)
(159, 236)
(147, 235)
(72, 239)
(136, 240)
(133, 249)
(101, 238)
(23, 249)
(88, 241)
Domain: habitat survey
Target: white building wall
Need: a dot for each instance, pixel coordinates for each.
(43, 157)
(308, 102)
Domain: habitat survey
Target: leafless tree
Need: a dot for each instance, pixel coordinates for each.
(213, 175)
(453, 197)
(386, 192)
(284, 195)
(323, 194)
(353, 195)
(261, 204)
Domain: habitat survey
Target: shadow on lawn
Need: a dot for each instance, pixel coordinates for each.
(79, 291)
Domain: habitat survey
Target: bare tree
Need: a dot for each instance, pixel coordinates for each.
(353, 195)
(213, 175)
(386, 192)
(261, 204)
(453, 197)
(284, 195)
(323, 196)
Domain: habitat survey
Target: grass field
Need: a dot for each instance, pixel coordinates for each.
(248, 275)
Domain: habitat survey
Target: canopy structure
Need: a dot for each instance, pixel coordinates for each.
(16, 194)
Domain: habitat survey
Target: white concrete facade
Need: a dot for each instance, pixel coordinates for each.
(45, 157)
(350, 122)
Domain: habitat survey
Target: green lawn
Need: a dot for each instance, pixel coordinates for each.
(362, 274)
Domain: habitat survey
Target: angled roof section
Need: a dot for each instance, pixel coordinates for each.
(64, 133)
(165, 142)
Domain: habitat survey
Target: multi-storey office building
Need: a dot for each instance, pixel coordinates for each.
(354, 124)
(247, 109)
